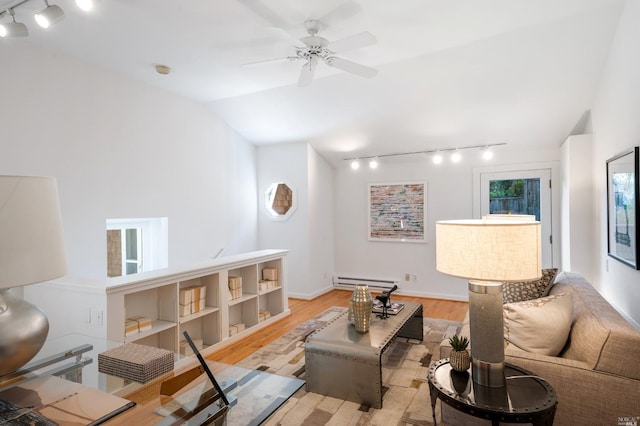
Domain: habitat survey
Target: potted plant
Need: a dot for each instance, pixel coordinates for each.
(459, 357)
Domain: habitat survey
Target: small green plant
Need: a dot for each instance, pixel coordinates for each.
(459, 343)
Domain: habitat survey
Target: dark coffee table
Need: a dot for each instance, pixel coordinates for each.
(345, 364)
(525, 399)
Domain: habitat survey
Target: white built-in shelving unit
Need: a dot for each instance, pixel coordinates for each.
(155, 295)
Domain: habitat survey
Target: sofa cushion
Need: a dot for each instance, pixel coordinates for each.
(527, 290)
(539, 325)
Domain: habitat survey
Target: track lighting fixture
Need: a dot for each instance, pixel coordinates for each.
(45, 18)
(49, 15)
(437, 158)
(13, 28)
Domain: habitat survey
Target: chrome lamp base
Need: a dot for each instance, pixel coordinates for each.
(23, 331)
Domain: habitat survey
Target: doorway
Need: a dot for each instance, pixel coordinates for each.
(521, 192)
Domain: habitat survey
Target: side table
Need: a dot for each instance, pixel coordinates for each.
(525, 399)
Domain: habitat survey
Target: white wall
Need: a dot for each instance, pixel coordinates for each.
(286, 163)
(308, 232)
(449, 196)
(122, 149)
(321, 224)
(616, 127)
(577, 205)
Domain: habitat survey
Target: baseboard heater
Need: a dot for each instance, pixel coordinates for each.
(375, 283)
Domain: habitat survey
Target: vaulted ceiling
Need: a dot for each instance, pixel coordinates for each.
(449, 73)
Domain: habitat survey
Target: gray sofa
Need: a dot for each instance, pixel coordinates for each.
(597, 374)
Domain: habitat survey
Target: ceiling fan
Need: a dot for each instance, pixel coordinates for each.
(317, 49)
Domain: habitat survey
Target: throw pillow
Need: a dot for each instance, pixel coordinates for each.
(527, 290)
(540, 325)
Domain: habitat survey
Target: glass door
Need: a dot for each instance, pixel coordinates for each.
(521, 192)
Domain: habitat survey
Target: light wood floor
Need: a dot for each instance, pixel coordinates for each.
(303, 310)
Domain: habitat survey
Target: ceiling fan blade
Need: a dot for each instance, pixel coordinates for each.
(283, 35)
(352, 67)
(353, 42)
(264, 61)
(307, 72)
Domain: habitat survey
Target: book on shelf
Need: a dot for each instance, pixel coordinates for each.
(393, 309)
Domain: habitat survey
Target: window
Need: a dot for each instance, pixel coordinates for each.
(526, 191)
(515, 196)
(280, 201)
(136, 245)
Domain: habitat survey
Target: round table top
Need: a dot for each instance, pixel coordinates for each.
(524, 392)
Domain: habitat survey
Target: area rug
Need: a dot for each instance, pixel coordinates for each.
(404, 375)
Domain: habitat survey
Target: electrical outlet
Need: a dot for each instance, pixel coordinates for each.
(407, 277)
(99, 317)
(414, 278)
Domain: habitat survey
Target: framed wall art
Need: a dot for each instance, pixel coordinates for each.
(398, 212)
(622, 202)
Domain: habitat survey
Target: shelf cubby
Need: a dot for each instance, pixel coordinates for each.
(249, 275)
(245, 312)
(205, 327)
(271, 301)
(164, 338)
(158, 303)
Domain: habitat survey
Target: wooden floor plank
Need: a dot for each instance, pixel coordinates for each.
(303, 310)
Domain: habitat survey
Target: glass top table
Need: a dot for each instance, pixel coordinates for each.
(73, 356)
(72, 361)
(525, 399)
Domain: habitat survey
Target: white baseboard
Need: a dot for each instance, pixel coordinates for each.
(305, 296)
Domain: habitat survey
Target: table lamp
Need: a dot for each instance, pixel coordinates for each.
(31, 251)
(488, 252)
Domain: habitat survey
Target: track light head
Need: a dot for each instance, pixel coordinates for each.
(13, 29)
(487, 154)
(456, 157)
(437, 158)
(355, 164)
(373, 163)
(86, 5)
(49, 15)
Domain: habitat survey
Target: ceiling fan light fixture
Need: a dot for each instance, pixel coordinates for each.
(307, 71)
(49, 15)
